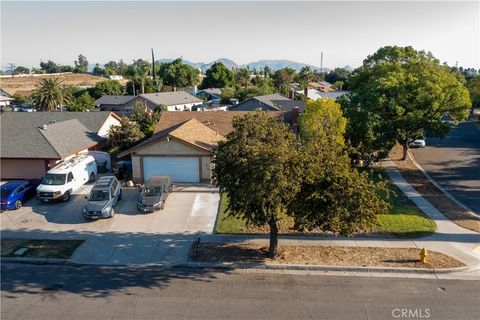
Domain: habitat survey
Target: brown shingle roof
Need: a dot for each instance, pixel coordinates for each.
(197, 134)
(218, 121)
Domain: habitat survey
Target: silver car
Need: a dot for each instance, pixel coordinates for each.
(102, 199)
(153, 195)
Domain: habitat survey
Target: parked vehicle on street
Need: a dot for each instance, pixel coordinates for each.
(419, 142)
(27, 108)
(60, 181)
(16, 192)
(102, 199)
(154, 193)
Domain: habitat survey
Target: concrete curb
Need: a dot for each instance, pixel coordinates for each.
(439, 187)
(300, 267)
(41, 261)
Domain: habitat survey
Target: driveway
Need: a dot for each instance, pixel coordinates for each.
(454, 162)
(129, 237)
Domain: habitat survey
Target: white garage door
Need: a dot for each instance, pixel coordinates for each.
(180, 169)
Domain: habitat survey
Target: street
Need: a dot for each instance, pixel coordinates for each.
(454, 162)
(147, 292)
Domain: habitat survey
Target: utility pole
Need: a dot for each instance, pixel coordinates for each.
(12, 68)
(153, 66)
(321, 66)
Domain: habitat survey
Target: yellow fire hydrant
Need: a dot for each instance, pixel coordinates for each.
(423, 255)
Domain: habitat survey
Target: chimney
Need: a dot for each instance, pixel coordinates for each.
(294, 118)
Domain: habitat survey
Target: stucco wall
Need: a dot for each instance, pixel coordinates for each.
(105, 129)
(171, 147)
(22, 169)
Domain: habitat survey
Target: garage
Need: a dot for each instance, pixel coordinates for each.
(180, 169)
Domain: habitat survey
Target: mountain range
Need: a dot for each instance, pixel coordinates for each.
(256, 65)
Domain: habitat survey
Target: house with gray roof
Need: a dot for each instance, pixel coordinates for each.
(33, 142)
(121, 105)
(175, 101)
(269, 102)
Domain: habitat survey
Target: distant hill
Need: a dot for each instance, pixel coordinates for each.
(258, 65)
(280, 64)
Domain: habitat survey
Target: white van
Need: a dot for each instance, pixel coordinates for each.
(68, 176)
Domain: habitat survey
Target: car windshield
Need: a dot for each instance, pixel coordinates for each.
(54, 179)
(152, 191)
(99, 195)
(7, 190)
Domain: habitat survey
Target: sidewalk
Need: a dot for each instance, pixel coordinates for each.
(449, 238)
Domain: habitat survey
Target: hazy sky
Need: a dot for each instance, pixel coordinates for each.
(204, 31)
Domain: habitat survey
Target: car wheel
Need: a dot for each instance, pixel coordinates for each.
(92, 177)
(66, 196)
(163, 205)
(18, 204)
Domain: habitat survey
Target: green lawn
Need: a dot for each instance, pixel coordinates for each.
(404, 220)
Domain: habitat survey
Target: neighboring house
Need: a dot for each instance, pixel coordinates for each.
(32, 143)
(121, 105)
(270, 102)
(5, 98)
(175, 101)
(316, 94)
(182, 145)
(322, 86)
(209, 94)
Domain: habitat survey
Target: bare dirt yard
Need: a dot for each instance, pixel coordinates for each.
(445, 205)
(323, 255)
(25, 85)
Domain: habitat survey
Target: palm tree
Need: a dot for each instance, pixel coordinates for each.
(48, 95)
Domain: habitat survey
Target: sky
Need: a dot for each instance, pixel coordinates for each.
(346, 32)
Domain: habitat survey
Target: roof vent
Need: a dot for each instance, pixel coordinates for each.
(53, 121)
(43, 127)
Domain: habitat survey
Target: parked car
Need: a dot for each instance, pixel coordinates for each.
(62, 180)
(27, 108)
(154, 193)
(15, 193)
(102, 199)
(419, 142)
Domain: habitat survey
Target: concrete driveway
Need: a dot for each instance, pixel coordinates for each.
(129, 237)
(454, 162)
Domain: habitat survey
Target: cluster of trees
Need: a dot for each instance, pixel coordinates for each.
(268, 174)
(52, 94)
(398, 94)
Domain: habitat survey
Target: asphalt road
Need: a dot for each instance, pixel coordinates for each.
(66, 292)
(454, 162)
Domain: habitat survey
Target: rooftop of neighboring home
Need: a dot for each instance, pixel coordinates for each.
(49, 135)
(316, 94)
(201, 129)
(212, 91)
(323, 86)
(270, 102)
(113, 100)
(170, 98)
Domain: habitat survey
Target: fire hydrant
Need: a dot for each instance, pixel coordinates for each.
(423, 256)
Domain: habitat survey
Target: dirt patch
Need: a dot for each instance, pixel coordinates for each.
(54, 249)
(429, 191)
(25, 85)
(323, 255)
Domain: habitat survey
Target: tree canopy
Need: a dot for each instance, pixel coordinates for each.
(177, 74)
(48, 95)
(218, 76)
(399, 93)
(107, 87)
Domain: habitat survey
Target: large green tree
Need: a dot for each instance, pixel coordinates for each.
(82, 103)
(257, 167)
(123, 136)
(398, 93)
(283, 78)
(333, 197)
(106, 87)
(177, 74)
(218, 76)
(81, 64)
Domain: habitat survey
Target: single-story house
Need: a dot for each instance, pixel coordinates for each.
(5, 98)
(315, 94)
(209, 94)
(32, 143)
(270, 102)
(175, 101)
(121, 105)
(183, 144)
(322, 86)
(124, 105)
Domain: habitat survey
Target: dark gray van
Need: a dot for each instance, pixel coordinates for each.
(154, 193)
(102, 199)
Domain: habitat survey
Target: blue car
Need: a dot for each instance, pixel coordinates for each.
(15, 193)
